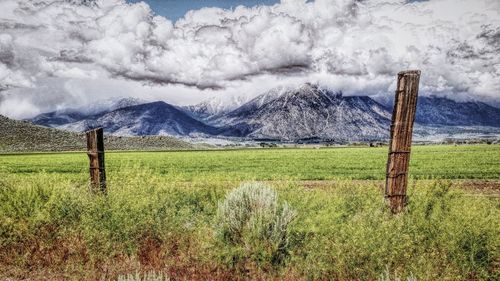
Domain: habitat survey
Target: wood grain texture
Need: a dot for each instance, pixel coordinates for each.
(95, 151)
(403, 117)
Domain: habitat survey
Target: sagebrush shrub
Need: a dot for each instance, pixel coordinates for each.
(252, 222)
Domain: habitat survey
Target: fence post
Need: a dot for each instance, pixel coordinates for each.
(403, 116)
(95, 151)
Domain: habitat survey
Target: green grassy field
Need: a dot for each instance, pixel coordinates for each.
(162, 214)
(427, 162)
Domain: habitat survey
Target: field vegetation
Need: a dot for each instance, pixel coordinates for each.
(250, 214)
(427, 162)
(22, 136)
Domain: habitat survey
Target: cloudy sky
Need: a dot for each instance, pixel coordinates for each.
(175, 9)
(56, 54)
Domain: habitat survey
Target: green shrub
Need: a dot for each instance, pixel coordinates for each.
(253, 225)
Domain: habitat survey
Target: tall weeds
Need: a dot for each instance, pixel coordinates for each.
(206, 230)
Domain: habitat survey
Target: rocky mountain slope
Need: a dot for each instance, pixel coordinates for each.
(447, 112)
(209, 109)
(24, 136)
(156, 118)
(308, 112)
(289, 114)
(61, 117)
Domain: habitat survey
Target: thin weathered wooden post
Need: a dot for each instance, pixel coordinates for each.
(95, 151)
(403, 116)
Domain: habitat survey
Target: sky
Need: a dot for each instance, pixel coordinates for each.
(175, 9)
(56, 54)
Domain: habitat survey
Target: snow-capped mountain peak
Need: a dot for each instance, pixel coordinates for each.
(308, 111)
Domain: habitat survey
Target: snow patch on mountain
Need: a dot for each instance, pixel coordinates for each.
(286, 113)
(308, 112)
(72, 115)
(212, 107)
(156, 118)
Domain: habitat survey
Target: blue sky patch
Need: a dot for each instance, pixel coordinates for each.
(175, 9)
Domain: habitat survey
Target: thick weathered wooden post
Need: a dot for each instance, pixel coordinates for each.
(403, 116)
(95, 151)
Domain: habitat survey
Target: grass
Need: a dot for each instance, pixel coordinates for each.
(160, 215)
(150, 276)
(23, 136)
(427, 162)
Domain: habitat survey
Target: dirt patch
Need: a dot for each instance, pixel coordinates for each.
(150, 253)
(481, 187)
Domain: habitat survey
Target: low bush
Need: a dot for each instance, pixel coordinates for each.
(252, 224)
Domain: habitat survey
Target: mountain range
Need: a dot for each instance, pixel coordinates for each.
(287, 114)
(443, 111)
(155, 118)
(26, 137)
(307, 112)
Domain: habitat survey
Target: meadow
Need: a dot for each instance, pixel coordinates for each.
(164, 212)
(355, 163)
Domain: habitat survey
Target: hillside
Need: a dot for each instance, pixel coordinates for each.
(209, 109)
(24, 136)
(305, 113)
(155, 118)
(446, 112)
(55, 119)
(308, 112)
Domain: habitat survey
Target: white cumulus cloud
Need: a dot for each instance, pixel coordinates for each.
(356, 46)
